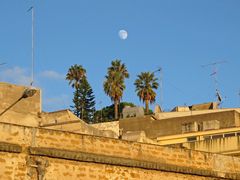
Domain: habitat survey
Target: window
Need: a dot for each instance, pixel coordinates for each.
(229, 135)
(207, 137)
(189, 127)
(200, 126)
(217, 136)
(193, 138)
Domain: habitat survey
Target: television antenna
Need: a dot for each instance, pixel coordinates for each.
(33, 14)
(239, 97)
(161, 85)
(214, 75)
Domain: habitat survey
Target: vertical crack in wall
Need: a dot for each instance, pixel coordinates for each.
(37, 167)
(33, 140)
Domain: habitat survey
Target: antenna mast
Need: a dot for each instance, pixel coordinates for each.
(32, 9)
(239, 97)
(214, 75)
(161, 85)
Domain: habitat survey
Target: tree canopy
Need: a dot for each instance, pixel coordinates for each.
(114, 83)
(75, 74)
(107, 113)
(83, 100)
(145, 84)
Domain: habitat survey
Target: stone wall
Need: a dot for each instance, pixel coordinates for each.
(112, 126)
(11, 93)
(35, 153)
(28, 112)
(13, 166)
(25, 111)
(65, 120)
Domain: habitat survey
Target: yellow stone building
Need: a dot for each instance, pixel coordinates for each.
(57, 145)
(201, 127)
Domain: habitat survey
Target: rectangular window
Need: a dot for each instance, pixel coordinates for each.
(189, 127)
(229, 135)
(207, 137)
(200, 126)
(217, 136)
(193, 138)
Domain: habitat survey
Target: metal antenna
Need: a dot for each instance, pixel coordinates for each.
(213, 63)
(214, 75)
(239, 97)
(161, 85)
(32, 9)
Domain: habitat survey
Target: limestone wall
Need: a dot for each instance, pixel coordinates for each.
(65, 120)
(13, 167)
(25, 111)
(10, 93)
(28, 153)
(112, 126)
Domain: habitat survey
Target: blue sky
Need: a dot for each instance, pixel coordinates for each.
(178, 36)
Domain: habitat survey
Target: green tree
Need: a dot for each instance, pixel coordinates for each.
(86, 101)
(74, 76)
(76, 108)
(114, 83)
(107, 113)
(145, 85)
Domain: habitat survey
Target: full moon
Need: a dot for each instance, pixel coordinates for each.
(123, 34)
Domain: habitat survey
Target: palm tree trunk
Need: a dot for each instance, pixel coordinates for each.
(147, 108)
(116, 109)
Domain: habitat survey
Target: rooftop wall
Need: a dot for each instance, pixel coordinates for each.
(166, 115)
(65, 120)
(25, 111)
(156, 128)
(10, 93)
(112, 126)
(34, 153)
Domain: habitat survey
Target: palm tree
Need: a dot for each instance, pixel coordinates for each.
(145, 83)
(114, 83)
(75, 75)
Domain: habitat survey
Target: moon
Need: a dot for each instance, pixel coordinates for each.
(123, 34)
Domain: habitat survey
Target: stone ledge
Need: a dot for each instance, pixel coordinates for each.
(8, 147)
(119, 161)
